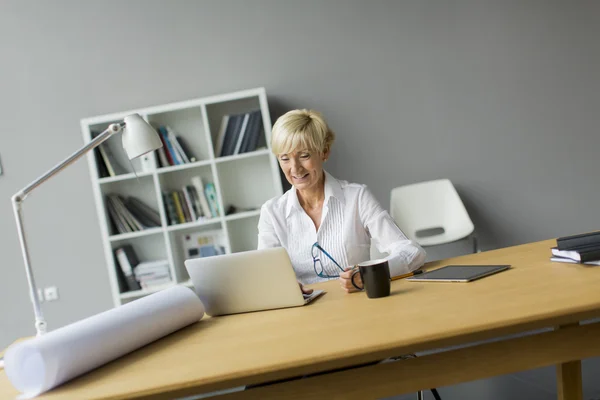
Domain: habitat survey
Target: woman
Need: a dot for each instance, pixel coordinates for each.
(326, 225)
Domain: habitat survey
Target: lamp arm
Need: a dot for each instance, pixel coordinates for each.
(111, 130)
(19, 197)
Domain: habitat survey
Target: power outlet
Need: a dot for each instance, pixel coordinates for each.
(51, 293)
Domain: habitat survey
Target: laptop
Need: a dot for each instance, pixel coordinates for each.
(253, 280)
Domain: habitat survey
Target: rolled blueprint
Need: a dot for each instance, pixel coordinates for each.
(40, 364)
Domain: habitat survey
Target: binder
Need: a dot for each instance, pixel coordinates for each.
(584, 239)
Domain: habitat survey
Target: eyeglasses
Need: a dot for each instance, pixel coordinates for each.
(327, 271)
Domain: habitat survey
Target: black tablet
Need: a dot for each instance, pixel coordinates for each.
(458, 273)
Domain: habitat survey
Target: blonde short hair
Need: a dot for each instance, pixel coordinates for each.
(301, 130)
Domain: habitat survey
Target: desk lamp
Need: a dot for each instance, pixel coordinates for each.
(139, 138)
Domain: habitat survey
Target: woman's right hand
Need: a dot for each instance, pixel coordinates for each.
(305, 290)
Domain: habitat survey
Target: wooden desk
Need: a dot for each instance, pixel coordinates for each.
(340, 330)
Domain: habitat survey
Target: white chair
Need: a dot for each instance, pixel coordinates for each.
(432, 213)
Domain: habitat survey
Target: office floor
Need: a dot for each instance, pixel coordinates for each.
(538, 384)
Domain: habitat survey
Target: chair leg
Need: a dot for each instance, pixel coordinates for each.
(435, 394)
(420, 395)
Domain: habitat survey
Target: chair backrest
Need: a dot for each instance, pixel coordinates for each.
(430, 212)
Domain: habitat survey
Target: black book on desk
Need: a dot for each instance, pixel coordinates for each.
(581, 253)
(574, 241)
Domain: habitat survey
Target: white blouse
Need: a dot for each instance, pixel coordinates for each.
(351, 217)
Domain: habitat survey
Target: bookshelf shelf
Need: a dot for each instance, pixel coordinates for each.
(168, 190)
(133, 235)
(240, 215)
(187, 225)
(123, 177)
(196, 164)
(243, 155)
(144, 292)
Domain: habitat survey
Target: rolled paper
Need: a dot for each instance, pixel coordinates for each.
(40, 364)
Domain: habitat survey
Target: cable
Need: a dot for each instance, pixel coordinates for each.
(435, 394)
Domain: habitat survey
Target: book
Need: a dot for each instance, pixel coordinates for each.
(154, 282)
(582, 254)
(185, 207)
(148, 216)
(153, 273)
(121, 279)
(221, 135)
(186, 149)
(151, 267)
(167, 160)
(177, 146)
(133, 222)
(243, 131)
(113, 166)
(131, 255)
(231, 135)
(102, 170)
(190, 204)
(570, 261)
(195, 200)
(178, 207)
(569, 242)
(122, 215)
(197, 182)
(162, 156)
(256, 130)
(170, 208)
(171, 153)
(252, 132)
(211, 195)
(127, 261)
(115, 217)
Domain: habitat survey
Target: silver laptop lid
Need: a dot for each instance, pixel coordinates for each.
(247, 281)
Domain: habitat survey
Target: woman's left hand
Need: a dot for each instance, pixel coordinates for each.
(346, 280)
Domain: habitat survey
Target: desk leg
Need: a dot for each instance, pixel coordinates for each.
(568, 378)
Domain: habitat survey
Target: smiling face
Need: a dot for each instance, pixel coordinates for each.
(303, 169)
(302, 141)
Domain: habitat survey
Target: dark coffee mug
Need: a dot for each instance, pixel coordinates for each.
(375, 275)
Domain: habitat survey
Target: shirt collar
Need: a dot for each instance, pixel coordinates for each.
(333, 188)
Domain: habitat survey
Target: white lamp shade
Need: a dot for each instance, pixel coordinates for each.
(139, 137)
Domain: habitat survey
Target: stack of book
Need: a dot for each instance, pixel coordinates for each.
(197, 201)
(175, 150)
(135, 275)
(239, 133)
(578, 249)
(152, 273)
(130, 214)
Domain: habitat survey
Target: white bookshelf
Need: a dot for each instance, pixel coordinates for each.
(244, 180)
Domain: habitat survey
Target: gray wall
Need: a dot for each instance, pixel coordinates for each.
(499, 96)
